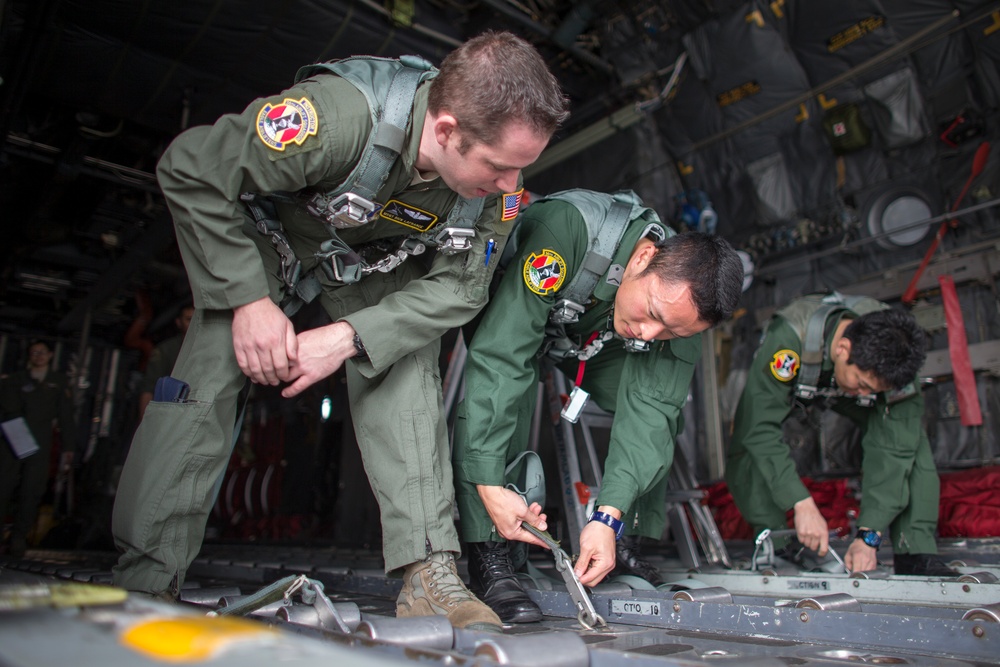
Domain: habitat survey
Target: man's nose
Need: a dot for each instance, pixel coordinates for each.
(654, 332)
(508, 181)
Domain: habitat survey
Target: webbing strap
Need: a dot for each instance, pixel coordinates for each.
(598, 257)
(389, 133)
(812, 346)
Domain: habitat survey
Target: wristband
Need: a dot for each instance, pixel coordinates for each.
(615, 524)
(359, 347)
(869, 537)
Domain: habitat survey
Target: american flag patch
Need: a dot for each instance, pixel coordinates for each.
(511, 205)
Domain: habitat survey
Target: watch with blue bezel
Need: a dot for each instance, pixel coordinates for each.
(615, 524)
(869, 537)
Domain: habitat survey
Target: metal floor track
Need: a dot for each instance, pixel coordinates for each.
(56, 610)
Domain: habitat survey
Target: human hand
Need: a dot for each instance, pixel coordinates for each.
(264, 341)
(66, 461)
(508, 510)
(860, 557)
(321, 351)
(810, 526)
(597, 550)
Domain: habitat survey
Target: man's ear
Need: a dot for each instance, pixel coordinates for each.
(844, 348)
(642, 255)
(445, 126)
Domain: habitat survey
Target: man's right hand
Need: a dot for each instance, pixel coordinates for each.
(508, 510)
(264, 341)
(810, 526)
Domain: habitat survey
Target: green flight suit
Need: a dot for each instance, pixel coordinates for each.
(41, 403)
(181, 450)
(899, 481)
(161, 362)
(644, 390)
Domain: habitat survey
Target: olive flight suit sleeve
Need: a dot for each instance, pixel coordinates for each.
(500, 365)
(892, 435)
(654, 387)
(206, 169)
(448, 296)
(765, 403)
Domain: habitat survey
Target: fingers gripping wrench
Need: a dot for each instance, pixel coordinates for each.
(586, 614)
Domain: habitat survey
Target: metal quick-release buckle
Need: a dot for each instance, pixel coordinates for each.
(635, 345)
(344, 212)
(806, 392)
(566, 312)
(453, 240)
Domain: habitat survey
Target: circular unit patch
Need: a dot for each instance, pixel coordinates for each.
(290, 122)
(784, 365)
(544, 272)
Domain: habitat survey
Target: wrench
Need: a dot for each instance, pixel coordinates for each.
(587, 615)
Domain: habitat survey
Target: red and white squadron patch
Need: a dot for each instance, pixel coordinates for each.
(291, 122)
(511, 205)
(544, 272)
(784, 365)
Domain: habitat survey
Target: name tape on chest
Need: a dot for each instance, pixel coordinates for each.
(407, 215)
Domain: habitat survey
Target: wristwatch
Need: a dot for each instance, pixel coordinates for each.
(869, 537)
(615, 524)
(359, 347)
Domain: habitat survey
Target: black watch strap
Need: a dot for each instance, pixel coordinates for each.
(359, 347)
(869, 537)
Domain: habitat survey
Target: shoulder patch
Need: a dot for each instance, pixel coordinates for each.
(291, 122)
(544, 272)
(511, 205)
(784, 365)
(408, 216)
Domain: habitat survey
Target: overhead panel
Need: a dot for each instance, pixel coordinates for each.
(749, 72)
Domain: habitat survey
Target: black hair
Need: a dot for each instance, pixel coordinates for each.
(709, 265)
(889, 343)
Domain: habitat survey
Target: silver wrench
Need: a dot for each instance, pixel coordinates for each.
(586, 614)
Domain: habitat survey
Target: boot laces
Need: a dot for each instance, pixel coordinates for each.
(447, 583)
(495, 564)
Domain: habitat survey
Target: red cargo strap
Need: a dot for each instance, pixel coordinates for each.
(958, 349)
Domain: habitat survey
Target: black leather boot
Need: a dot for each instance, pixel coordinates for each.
(492, 579)
(629, 560)
(924, 565)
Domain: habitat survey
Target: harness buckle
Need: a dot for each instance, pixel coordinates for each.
(806, 392)
(865, 400)
(565, 312)
(453, 240)
(635, 345)
(344, 212)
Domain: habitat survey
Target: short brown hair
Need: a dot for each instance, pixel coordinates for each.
(494, 78)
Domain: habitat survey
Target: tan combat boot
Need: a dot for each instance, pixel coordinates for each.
(432, 586)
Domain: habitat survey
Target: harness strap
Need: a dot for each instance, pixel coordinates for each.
(812, 346)
(595, 263)
(389, 133)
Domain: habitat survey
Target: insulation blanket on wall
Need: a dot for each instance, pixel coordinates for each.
(833, 497)
(970, 503)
